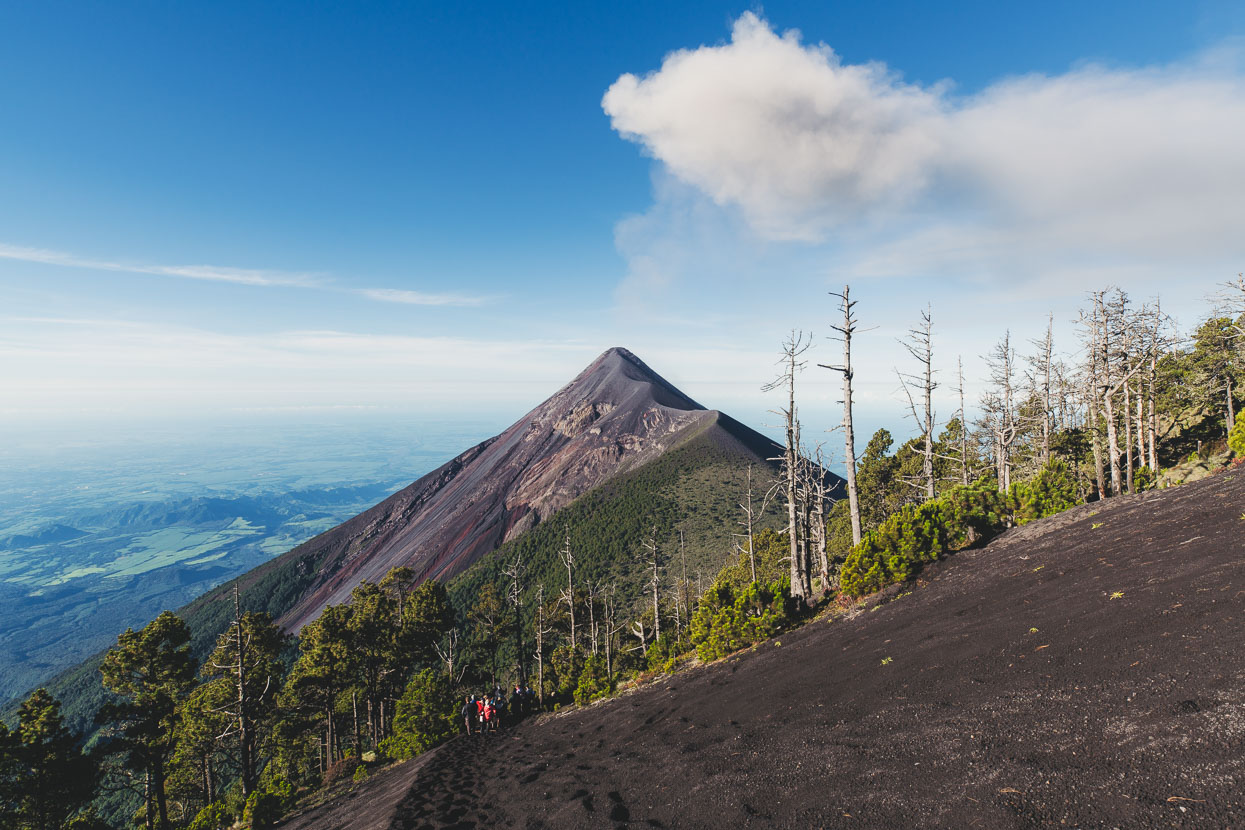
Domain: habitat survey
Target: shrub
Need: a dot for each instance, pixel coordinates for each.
(727, 619)
(918, 534)
(567, 664)
(1236, 438)
(266, 805)
(594, 681)
(1051, 491)
(664, 654)
(426, 715)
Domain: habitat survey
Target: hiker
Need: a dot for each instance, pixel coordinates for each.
(487, 723)
(480, 712)
(469, 712)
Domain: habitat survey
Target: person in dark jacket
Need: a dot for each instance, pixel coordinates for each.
(470, 711)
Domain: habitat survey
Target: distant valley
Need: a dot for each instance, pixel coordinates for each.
(95, 539)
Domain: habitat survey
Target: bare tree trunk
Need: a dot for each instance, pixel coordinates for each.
(654, 560)
(849, 439)
(1128, 439)
(920, 344)
(1048, 347)
(1113, 446)
(963, 426)
(1231, 410)
(687, 602)
(819, 520)
(793, 349)
(1002, 404)
(1152, 421)
(517, 571)
(752, 559)
(541, 631)
(568, 559)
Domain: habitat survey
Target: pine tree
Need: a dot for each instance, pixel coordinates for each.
(151, 671)
(54, 779)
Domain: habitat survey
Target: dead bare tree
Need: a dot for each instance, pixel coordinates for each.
(919, 343)
(687, 601)
(568, 595)
(517, 571)
(244, 707)
(846, 331)
(543, 629)
(747, 523)
(447, 651)
(612, 627)
(1040, 365)
(818, 496)
(1000, 408)
(794, 348)
(590, 594)
(651, 556)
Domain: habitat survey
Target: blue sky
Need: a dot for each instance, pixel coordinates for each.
(226, 207)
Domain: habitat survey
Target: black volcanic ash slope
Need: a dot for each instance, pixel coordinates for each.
(1081, 671)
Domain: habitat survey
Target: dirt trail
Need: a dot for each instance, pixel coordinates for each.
(1081, 672)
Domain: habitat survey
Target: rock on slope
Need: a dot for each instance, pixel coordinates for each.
(615, 416)
(1082, 671)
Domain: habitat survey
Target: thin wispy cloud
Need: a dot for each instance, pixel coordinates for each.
(405, 297)
(240, 276)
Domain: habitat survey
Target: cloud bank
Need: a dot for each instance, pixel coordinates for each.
(1097, 166)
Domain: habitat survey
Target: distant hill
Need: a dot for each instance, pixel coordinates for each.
(1080, 671)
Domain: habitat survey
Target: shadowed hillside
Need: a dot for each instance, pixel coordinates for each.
(1083, 670)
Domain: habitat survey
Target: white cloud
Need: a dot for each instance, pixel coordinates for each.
(241, 276)
(402, 296)
(1095, 164)
(785, 131)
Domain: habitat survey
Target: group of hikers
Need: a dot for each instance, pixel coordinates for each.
(484, 713)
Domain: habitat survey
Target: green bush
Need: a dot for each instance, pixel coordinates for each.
(594, 681)
(664, 654)
(918, 534)
(1051, 491)
(426, 715)
(215, 816)
(1236, 438)
(567, 664)
(266, 805)
(728, 619)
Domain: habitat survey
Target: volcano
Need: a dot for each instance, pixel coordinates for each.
(616, 416)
